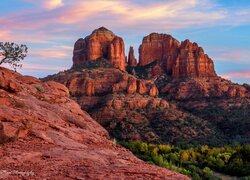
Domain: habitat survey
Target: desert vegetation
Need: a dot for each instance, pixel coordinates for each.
(200, 162)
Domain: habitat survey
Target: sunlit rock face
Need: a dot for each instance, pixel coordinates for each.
(101, 43)
(179, 60)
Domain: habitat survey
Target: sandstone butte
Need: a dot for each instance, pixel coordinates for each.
(45, 134)
(101, 43)
(178, 60)
(164, 55)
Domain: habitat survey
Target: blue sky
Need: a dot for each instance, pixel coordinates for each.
(50, 28)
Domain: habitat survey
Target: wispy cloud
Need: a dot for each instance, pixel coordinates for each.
(48, 4)
(233, 55)
(50, 24)
(244, 74)
(42, 67)
(56, 52)
(4, 34)
(52, 4)
(177, 13)
(38, 68)
(154, 16)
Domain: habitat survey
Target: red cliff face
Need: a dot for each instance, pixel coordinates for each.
(192, 62)
(132, 62)
(179, 60)
(101, 43)
(157, 47)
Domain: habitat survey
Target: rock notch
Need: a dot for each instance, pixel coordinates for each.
(102, 43)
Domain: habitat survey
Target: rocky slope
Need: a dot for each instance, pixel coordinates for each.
(101, 43)
(166, 97)
(130, 109)
(45, 134)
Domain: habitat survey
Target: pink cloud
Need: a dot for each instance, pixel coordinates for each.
(38, 68)
(116, 13)
(11, 36)
(235, 55)
(244, 75)
(52, 23)
(166, 15)
(42, 67)
(52, 4)
(47, 4)
(57, 52)
(128, 13)
(5, 35)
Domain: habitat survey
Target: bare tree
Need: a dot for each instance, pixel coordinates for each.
(12, 53)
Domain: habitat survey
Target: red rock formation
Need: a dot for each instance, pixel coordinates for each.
(101, 43)
(192, 62)
(135, 102)
(157, 47)
(132, 86)
(153, 91)
(204, 88)
(179, 60)
(44, 134)
(132, 62)
(156, 71)
(89, 87)
(6, 81)
(116, 53)
(141, 87)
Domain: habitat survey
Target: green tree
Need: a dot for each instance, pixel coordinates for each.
(143, 147)
(207, 172)
(196, 176)
(158, 159)
(184, 156)
(164, 148)
(12, 54)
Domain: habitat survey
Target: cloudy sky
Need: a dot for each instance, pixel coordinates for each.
(50, 27)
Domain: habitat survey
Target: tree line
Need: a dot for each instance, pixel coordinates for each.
(199, 162)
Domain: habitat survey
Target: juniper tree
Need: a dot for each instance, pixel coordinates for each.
(12, 54)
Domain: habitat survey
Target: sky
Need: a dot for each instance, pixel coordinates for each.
(50, 28)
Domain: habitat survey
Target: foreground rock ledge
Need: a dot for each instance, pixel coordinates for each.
(45, 134)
